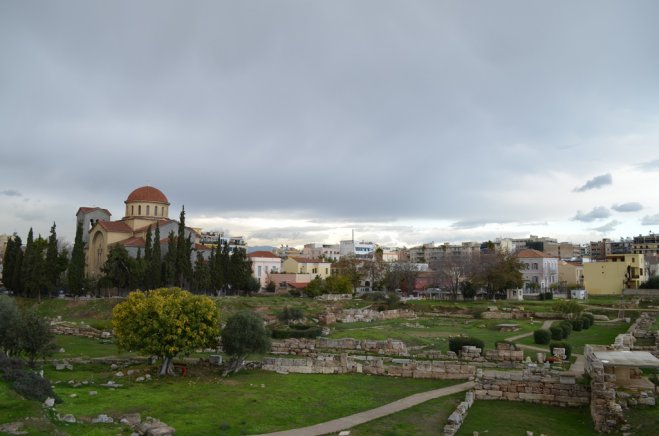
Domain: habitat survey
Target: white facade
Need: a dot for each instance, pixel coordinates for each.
(363, 250)
(326, 251)
(264, 263)
(539, 269)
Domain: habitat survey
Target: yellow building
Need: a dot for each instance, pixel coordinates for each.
(618, 272)
(301, 265)
(145, 207)
(570, 273)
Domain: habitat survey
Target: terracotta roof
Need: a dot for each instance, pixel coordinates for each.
(133, 242)
(263, 254)
(115, 226)
(530, 253)
(147, 193)
(305, 260)
(161, 222)
(92, 209)
(297, 285)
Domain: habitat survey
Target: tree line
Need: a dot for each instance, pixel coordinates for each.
(40, 267)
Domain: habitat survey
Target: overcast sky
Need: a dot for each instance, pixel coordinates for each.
(298, 121)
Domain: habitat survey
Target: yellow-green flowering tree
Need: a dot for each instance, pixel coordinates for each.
(166, 322)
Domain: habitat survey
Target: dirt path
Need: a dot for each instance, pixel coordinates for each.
(348, 422)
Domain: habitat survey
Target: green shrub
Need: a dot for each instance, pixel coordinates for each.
(577, 325)
(456, 343)
(25, 382)
(590, 317)
(585, 323)
(541, 336)
(290, 314)
(558, 344)
(567, 328)
(556, 333)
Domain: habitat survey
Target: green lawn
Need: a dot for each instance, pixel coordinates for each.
(600, 334)
(250, 402)
(644, 420)
(425, 419)
(506, 418)
(75, 346)
(430, 332)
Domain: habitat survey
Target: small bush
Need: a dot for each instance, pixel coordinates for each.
(556, 333)
(456, 343)
(25, 382)
(541, 336)
(290, 314)
(585, 323)
(577, 325)
(590, 317)
(568, 348)
(567, 328)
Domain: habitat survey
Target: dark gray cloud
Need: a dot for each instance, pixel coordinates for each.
(595, 183)
(348, 111)
(10, 193)
(650, 220)
(627, 207)
(608, 227)
(596, 214)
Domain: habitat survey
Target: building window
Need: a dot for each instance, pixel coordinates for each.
(132, 210)
(139, 209)
(258, 274)
(155, 210)
(147, 210)
(535, 266)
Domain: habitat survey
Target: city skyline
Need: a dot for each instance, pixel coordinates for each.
(296, 122)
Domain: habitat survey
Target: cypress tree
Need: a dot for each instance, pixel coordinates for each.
(155, 269)
(147, 282)
(17, 276)
(183, 266)
(9, 262)
(76, 273)
(169, 267)
(28, 266)
(52, 262)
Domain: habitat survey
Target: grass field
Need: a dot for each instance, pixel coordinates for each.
(427, 418)
(507, 418)
(601, 334)
(430, 332)
(250, 402)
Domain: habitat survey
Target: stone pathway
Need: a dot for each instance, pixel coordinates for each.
(545, 325)
(348, 422)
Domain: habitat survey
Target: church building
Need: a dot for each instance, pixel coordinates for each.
(145, 207)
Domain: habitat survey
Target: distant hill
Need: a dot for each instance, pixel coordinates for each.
(260, 248)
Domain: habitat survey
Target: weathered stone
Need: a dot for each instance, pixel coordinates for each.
(69, 418)
(49, 402)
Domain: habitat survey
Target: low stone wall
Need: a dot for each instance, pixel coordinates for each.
(73, 329)
(390, 347)
(532, 387)
(456, 418)
(344, 364)
(504, 352)
(368, 315)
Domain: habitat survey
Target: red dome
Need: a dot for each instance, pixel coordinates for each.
(147, 194)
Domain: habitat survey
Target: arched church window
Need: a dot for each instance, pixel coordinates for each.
(147, 210)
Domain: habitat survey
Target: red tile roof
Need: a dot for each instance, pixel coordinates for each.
(133, 242)
(92, 209)
(147, 193)
(160, 222)
(115, 226)
(297, 285)
(530, 253)
(263, 254)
